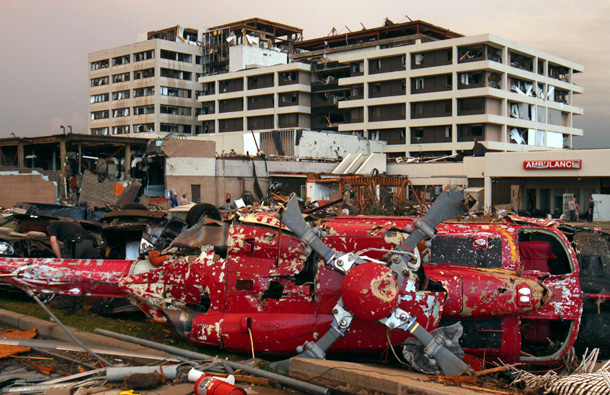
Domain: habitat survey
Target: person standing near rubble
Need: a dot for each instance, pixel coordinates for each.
(183, 200)
(228, 206)
(572, 209)
(174, 200)
(78, 243)
(590, 210)
(347, 207)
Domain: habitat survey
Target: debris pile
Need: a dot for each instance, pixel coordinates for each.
(37, 374)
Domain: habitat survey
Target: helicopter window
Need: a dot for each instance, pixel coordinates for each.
(463, 251)
(546, 244)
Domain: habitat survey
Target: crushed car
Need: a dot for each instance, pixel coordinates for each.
(285, 283)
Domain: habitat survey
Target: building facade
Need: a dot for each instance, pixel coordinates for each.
(146, 86)
(424, 90)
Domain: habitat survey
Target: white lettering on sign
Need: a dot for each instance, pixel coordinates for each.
(552, 164)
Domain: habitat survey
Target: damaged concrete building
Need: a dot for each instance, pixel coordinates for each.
(150, 85)
(75, 168)
(421, 88)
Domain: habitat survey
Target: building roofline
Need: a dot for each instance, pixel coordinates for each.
(255, 21)
(72, 137)
(374, 34)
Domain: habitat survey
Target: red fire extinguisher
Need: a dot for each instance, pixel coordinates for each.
(210, 385)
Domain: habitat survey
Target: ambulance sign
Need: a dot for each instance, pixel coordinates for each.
(552, 164)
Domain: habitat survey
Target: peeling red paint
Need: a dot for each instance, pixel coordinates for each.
(274, 291)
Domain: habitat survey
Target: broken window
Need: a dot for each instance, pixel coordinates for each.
(99, 81)
(541, 64)
(493, 80)
(539, 90)
(124, 129)
(419, 59)
(120, 112)
(561, 96)
(522, 87)
(419, 133)
(116, 78)
(290, 97)
(144, 127)
(522, 111)
(475, 52)
(357, 68)
(472, 78)
(175, 110)
(518, 135)
(289, 76)
(175, 128)
(145, 55)
(207, 108)
(493, 54)
(99, 115)
(419, 83)
(146, 73)
(120, 95)
(521, 61)
(197, 59)
(176, 92)
(147, 91)
(177, 56)
(449, 82)
(120, 60)
(99, 131)
(208, 88)
(99, 98)
(559, 72)
(550, 94)
(143, 110)
(100, 64)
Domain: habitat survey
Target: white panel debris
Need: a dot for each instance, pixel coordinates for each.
(178, 166)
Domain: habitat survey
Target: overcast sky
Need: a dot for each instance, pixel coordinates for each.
(44, 70)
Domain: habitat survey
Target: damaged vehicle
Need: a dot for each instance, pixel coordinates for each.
(134, 232)
(283, 283)
(24, 232)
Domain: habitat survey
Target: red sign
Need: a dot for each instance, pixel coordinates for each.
(552, 164)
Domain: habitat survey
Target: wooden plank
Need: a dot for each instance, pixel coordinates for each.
(488, 390)
(356, 378)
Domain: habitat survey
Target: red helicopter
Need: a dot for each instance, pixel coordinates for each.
(284, 283)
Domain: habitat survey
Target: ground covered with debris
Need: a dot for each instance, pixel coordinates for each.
(33, 367)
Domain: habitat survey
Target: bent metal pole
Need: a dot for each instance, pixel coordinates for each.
(298, 384)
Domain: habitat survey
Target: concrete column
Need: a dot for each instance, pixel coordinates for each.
(20, 156)
(127, 167)
(487, 193)
(62, 158)
(63, 184)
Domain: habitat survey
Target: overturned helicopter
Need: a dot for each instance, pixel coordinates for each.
(285, 284)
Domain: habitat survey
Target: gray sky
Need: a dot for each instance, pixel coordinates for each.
(44, 70)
